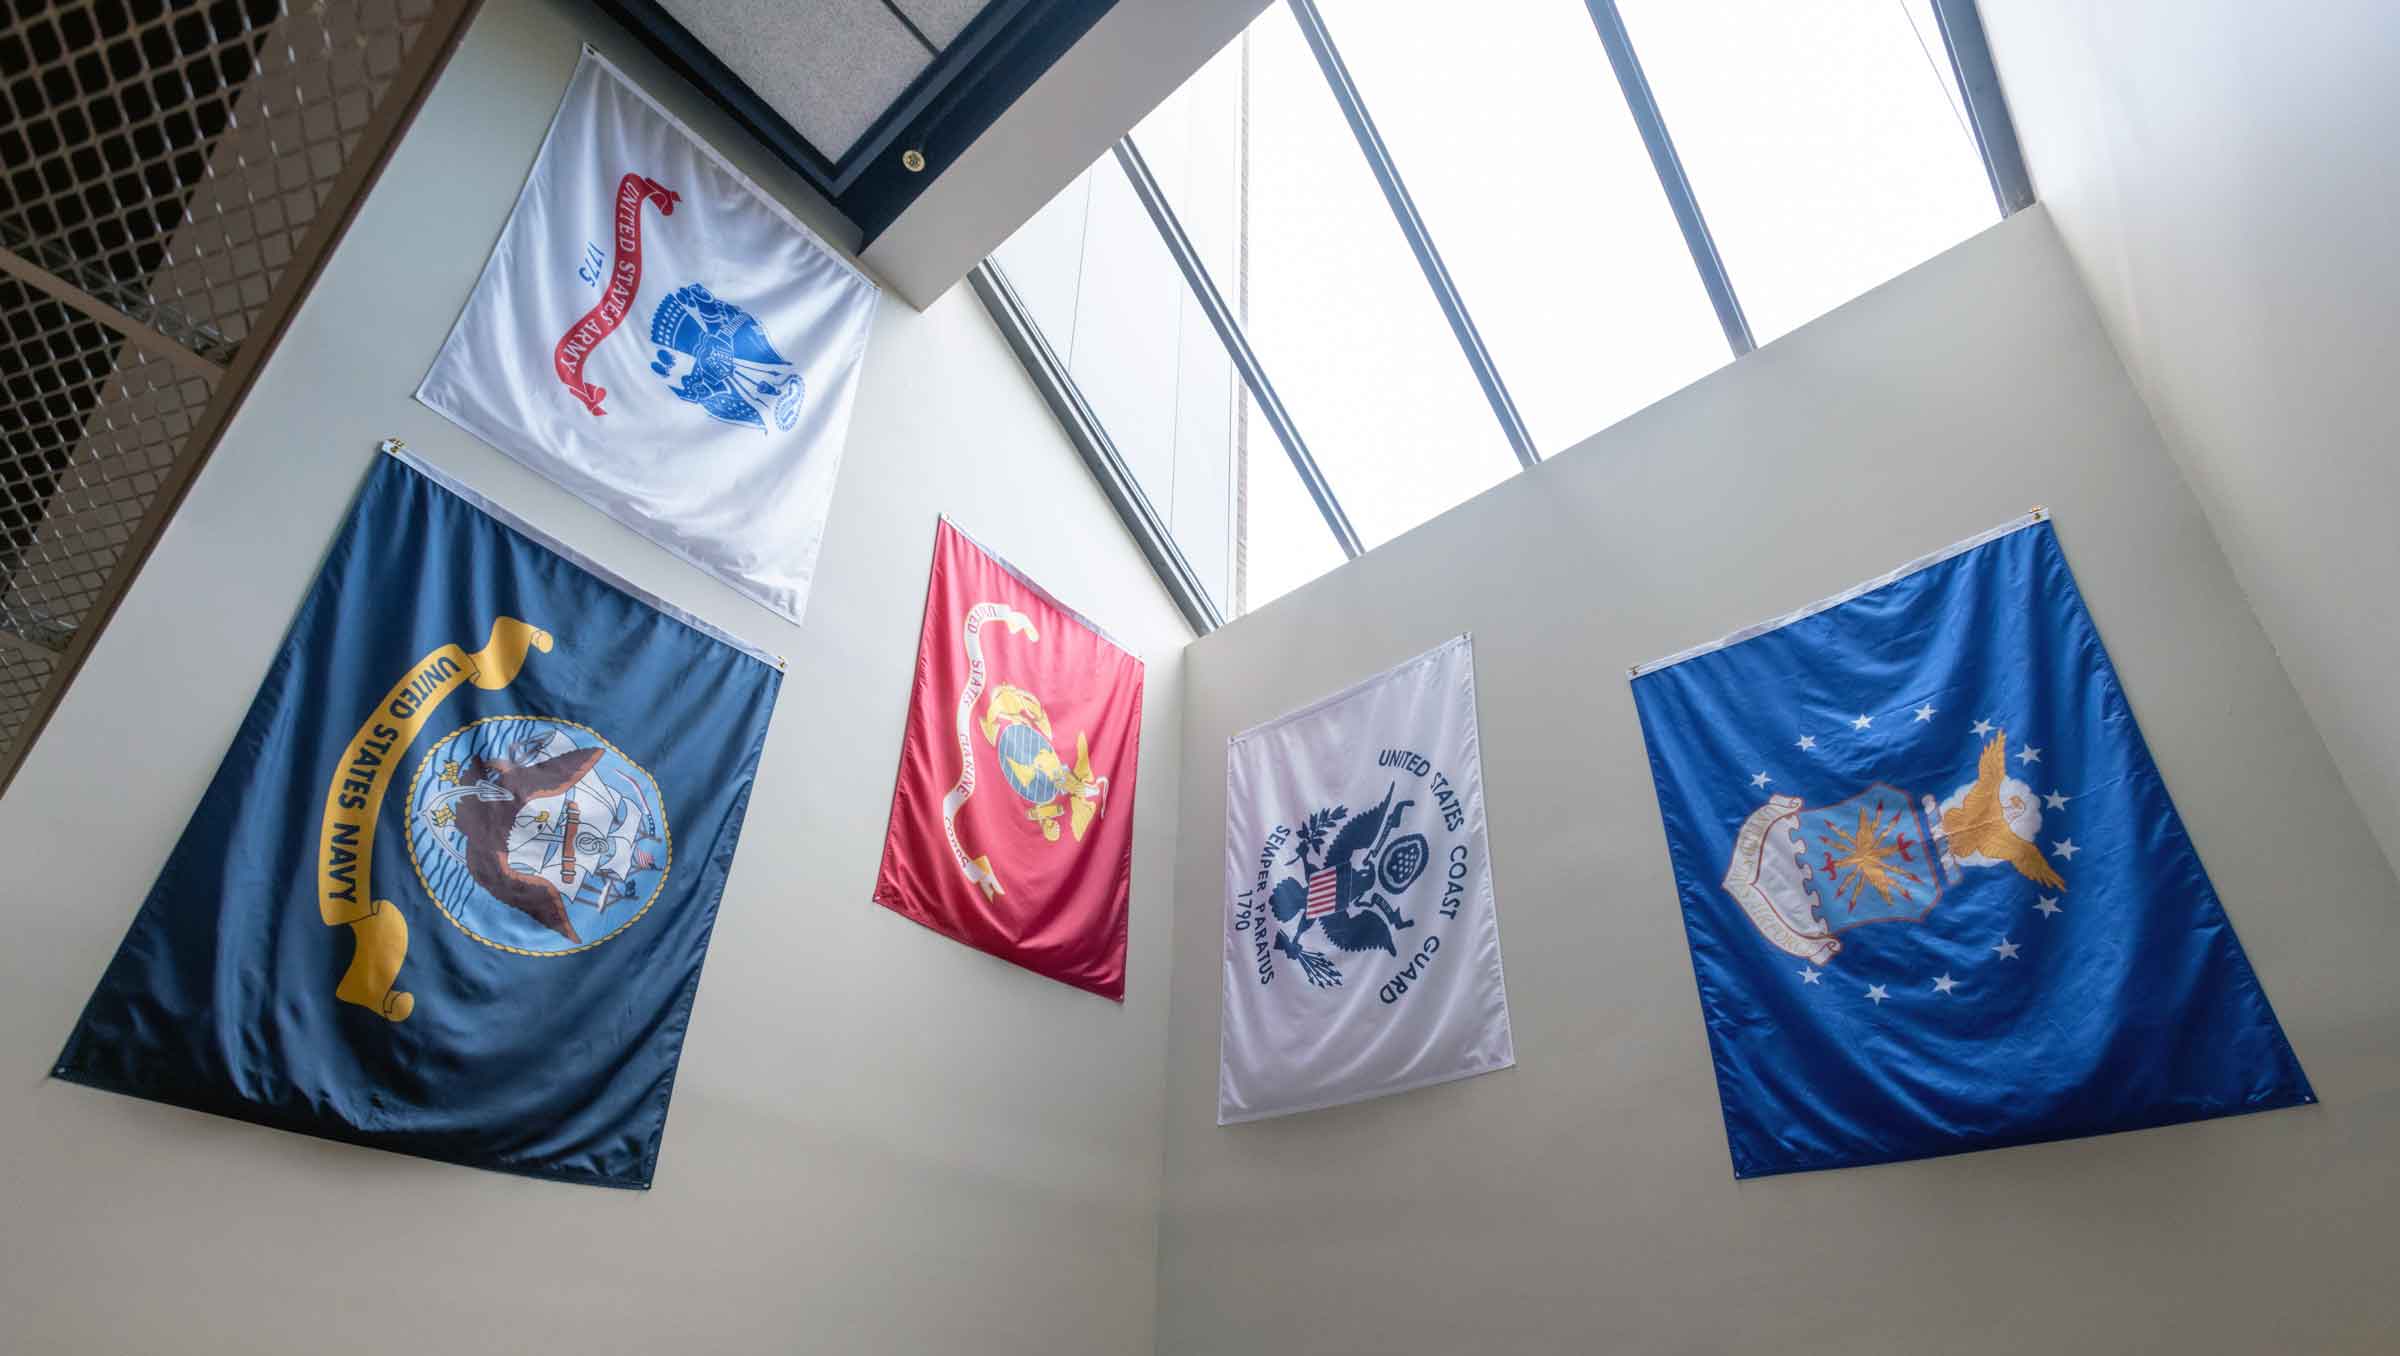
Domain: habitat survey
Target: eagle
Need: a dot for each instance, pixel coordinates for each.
(1979, 826)
(486, 819)
(1362, 919)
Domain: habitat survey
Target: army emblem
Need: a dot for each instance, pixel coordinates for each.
(715, 355)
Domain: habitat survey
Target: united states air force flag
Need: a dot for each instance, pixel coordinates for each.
(1937, 896)
(1362, 945)
(664, 340)
(449, 891)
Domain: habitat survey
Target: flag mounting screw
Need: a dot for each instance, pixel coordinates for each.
(913, 160)
(391, 446)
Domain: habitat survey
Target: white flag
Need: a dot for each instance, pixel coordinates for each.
(665, 341)
(1362, 946)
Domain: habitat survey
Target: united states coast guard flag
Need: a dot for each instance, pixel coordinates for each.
(1362, 946)
(449, 891)
(1012, 811)
(1937, 896)
(663, 339)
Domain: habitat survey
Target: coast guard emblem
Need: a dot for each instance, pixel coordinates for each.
(715, 355)
(1336, 893)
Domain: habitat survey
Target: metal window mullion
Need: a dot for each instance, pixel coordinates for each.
(1671, 177)
(1987, 112)
(1099, 451)
(1237, 344)
(1412, 225)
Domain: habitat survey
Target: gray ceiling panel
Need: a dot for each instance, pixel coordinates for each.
(828, 67)
(941, 20)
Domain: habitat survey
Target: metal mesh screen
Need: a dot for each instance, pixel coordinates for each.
(164, 160)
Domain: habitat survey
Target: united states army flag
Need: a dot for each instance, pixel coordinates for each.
(665, 341)
(1362, 949)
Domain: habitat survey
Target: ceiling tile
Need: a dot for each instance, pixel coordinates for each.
(941, 20)
(829, 67)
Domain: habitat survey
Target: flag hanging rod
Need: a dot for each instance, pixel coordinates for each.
(2017, 524)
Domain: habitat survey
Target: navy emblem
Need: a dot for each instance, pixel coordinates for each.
(717, 356)
(530, 834)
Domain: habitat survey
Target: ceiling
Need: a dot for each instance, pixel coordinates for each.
(833, 67)
(1004, 102)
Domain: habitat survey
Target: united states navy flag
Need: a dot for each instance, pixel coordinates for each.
(449, 891)
(1938, 899)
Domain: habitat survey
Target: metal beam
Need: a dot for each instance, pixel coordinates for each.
(1098, 450)
(134, 332)
(1987, 111)
(1678, 185)
(1237, 344)
(1412, 225)
(444, 25)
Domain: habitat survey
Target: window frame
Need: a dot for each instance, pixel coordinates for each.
(1969, 55)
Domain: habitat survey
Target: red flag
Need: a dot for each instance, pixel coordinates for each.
(1012, 815)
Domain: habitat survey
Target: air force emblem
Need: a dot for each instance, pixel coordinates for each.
(1805, 875)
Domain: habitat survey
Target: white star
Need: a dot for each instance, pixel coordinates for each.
(1810, 976)
(1982, 728)
(2066, 850)
(1864, 720)
(1945, 984)
(2007, 950)
(1761, 779)
(1876, 994)
(1807, 742)
(1925, 712)
(2030, 754)
(2057, 800)
(2047, 905)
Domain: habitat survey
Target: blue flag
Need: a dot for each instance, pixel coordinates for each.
(1938, 899)
(449, 892)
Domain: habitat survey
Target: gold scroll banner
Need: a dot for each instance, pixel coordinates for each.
(346, 848)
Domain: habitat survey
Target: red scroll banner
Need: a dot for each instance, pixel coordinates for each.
(624, 279)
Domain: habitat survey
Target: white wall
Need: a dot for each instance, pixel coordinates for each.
(2226, 180)
(1583, 1202)
(881, 1141)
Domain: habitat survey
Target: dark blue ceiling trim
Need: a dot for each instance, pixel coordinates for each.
(963, 91)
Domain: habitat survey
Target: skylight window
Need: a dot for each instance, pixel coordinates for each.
(1378, 255)
(1825, 141)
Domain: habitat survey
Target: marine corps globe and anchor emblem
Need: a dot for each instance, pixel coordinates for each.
(1018, 730)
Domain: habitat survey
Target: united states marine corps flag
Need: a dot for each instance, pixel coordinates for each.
(449, 892)
(1012, 815)
(1362, 942)
(1937, 896)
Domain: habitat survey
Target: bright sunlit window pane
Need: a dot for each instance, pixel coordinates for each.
(1285, 540)
(1339, 312)
(1516, 145)
(1823, 140)
(1109, 299)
